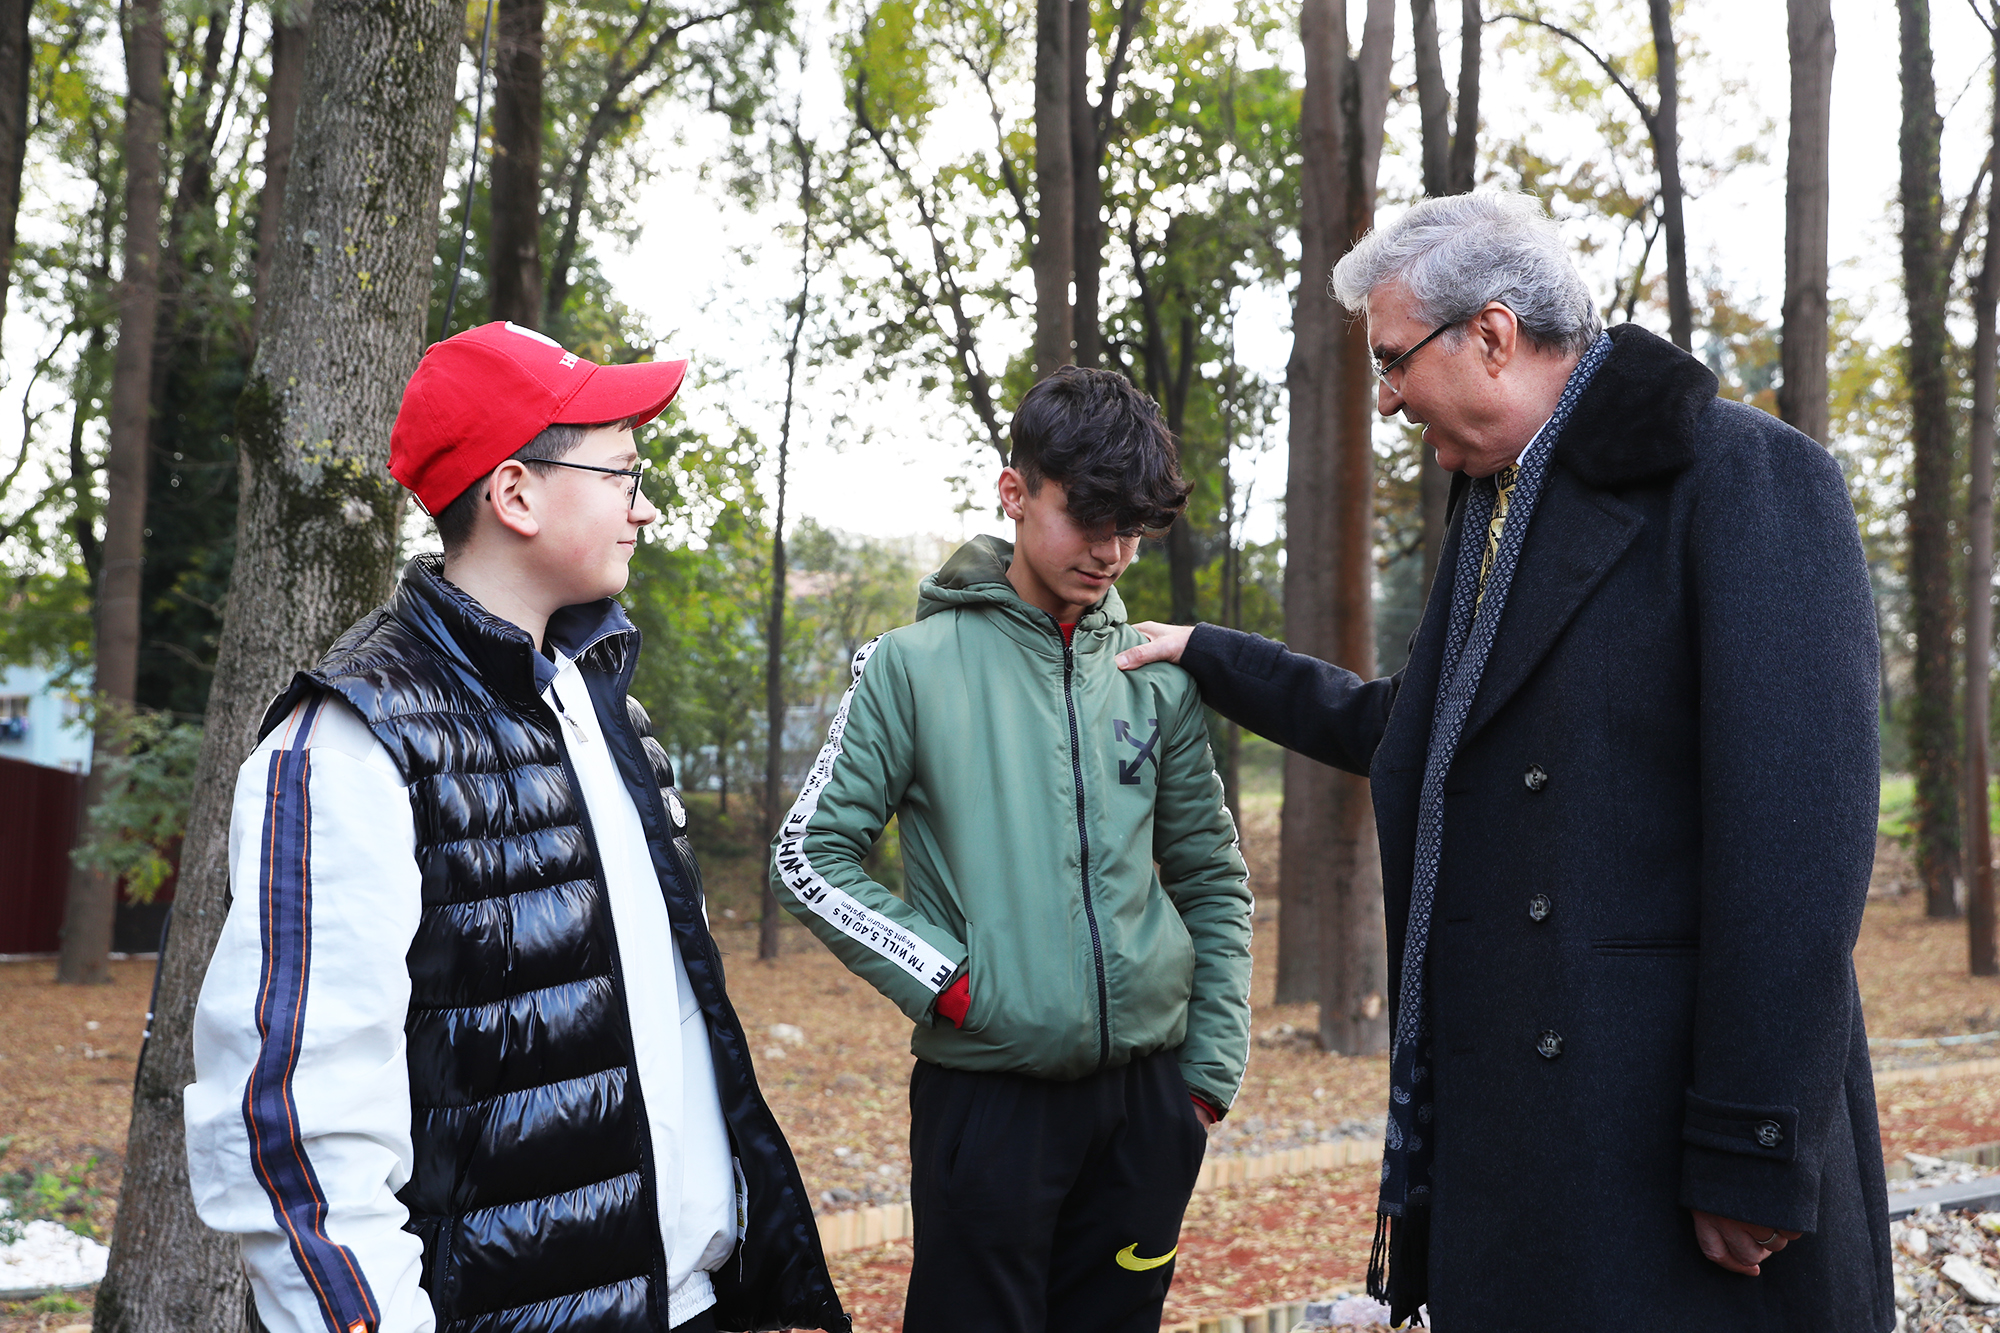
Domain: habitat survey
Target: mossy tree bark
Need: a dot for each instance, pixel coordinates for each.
(316, 537)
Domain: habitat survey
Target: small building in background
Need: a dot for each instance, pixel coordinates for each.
(41, 722)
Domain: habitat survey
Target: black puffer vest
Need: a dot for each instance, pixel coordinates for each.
(533, 1183)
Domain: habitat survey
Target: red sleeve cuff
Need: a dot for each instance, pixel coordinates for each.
(1207, 1105)
(955, 1000)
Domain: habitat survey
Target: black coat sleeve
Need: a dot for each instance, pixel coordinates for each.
(1304, 704)
(1787, 656)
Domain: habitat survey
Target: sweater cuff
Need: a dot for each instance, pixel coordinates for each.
(954, 1000)
(1215, 1112)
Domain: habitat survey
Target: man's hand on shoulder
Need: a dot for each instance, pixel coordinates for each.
(1740, 1247)
(1164, 643)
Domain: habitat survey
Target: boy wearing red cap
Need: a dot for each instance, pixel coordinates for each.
(464, 1059)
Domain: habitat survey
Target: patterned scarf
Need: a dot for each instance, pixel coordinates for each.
(1474, 618)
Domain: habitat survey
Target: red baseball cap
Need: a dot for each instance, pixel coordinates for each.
(482, 394)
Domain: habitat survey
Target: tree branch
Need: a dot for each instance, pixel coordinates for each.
(1646, 114)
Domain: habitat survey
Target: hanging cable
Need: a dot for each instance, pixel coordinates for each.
(471, 171)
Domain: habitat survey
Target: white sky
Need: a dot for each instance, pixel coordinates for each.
(724, 307)
(712, 277)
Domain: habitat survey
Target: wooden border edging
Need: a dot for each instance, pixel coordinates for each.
(1280, 1318)
(860, 1228)
(1956, 1069)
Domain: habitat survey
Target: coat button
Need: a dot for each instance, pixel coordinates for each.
(1770, 1134)
(1549, 1045)
(1538, 907)
(1535, 777)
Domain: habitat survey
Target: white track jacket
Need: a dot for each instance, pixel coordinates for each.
(298, 1122)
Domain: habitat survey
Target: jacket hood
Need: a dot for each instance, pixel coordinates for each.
(976, 577)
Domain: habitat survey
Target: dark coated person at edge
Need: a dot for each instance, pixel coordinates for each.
(1626, 791)
(1073, 944)
(464, 1058)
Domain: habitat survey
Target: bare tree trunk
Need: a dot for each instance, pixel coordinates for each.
(1353, 967)
(774, 643)
(1667, 152)
(1982, 948)
(316, 542)
(1448, 160)
(1465, 142)
(1433, 106)
(17, 64)
(1055, 188)
(515, 184)
(1330, 945)
(1933, 738)
(92, 898)
(1802, 348)
(1087, 257)
(281, 113)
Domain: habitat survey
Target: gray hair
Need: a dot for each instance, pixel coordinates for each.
(1455, 254)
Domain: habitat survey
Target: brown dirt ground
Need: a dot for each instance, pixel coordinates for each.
(65, 1090)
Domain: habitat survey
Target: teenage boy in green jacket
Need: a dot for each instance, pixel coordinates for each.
(1080, 1016)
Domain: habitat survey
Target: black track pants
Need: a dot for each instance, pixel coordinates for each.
(1045, 1207)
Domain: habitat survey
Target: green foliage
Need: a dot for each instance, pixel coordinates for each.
(136, 829)
(45, 618)
(39, 1193)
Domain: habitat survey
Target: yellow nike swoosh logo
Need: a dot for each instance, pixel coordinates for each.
(1129, 1258)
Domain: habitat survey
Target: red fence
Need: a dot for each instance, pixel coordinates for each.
(38, 814)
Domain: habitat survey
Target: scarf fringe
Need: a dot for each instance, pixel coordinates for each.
(1399, 1265)
(1378, 1261)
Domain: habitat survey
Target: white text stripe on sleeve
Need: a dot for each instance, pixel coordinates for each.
(903, 947)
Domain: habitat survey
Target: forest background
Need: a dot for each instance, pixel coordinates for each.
(228, 227)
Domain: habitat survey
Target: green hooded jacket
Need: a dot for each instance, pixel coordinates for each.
(1038, 788)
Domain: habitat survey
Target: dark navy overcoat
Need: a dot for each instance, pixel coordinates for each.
(1658, 833)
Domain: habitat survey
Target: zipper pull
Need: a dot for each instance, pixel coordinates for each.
(575, 726)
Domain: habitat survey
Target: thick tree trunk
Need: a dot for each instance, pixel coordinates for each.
(516, 184)
(1932, 731)
(1802, 348)
(92, 897)
(1055, 188)
(281, 111)
(16, 67)
(1667, 153)
(1353, 967)
(1982, 948)
(316, 537)
(1330, 944)
(1307, 835)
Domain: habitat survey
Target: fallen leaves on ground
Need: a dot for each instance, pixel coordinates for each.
(837, 1075)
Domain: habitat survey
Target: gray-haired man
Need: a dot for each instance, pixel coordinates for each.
(1625, 789)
